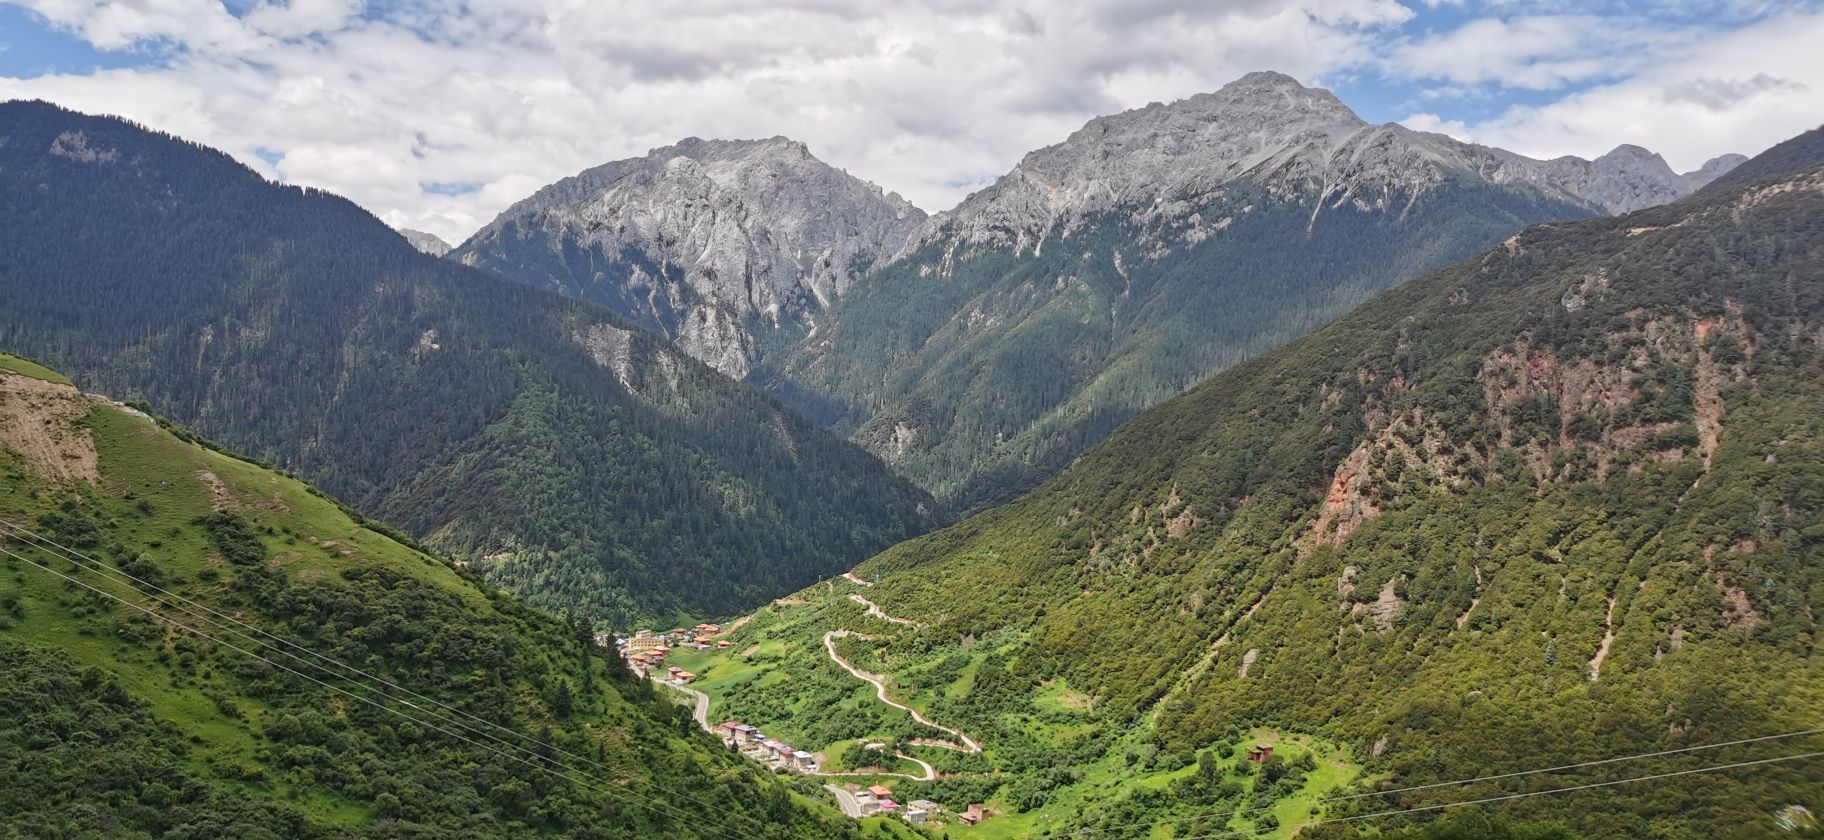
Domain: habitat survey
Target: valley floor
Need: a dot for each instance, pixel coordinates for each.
(820, 671)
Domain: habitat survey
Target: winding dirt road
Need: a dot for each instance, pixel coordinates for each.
(875, 610)
(969, 744)
(700, 712)
(930, 773)
(852, 578)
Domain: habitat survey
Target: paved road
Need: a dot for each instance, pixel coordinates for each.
(701, 709)
(880, 691)
(846, 801)
(853, 579)
(928, 773)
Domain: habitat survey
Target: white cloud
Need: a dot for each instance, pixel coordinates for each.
(299, 18)
(201, 23)
(494, 98)
(1433, 123)
(925, 98)
(1541, 52)
(1737, 92)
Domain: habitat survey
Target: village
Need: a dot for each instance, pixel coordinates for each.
(646, 653)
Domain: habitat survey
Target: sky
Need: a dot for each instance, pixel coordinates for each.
(437, 114)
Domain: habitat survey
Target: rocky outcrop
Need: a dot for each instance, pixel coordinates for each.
(709, 242)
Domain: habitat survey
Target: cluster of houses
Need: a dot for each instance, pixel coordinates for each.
(755, 745)
(646, 651)
(878, 799)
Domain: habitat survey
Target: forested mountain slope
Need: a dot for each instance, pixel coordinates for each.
(119, 536)
(566, 454)
(1556, 503)
(1149, 250)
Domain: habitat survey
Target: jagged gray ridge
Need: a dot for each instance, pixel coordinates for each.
(711, 242)
(724, 246)
(1159, 162)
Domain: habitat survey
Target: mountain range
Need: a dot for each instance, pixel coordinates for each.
(1554, 503)
(562, 451)
(194, 645)
(981, 349)
(1331, 464)
(1148, 251)
(715, 244)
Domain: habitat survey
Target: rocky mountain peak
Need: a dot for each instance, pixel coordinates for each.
(1155, 152)
(1713, 169)
(429, 243)
(1296, 143)
(705, 241)
(1634, 154)
(1630, 178)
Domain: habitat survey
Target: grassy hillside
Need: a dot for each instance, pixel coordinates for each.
(117, 721)
(979, 371)
(1557, 503)
(570, 457)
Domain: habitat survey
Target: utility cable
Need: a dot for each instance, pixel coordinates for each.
(1515, 774)
(9, 528)
(1506, 797)
(677, 813)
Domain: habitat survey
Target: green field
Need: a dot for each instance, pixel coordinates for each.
(31, 369)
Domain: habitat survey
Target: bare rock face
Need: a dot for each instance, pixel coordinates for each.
(1298, 143)
(1154, 157)
(1626, 179)
(429, 243)
(1713, 169)
(712, 243)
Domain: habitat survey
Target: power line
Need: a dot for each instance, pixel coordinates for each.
(1506, 797)
(1515, 774)
(684, 816)
(6, 527)
(11, 528)
(677, 813)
